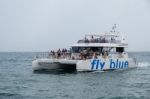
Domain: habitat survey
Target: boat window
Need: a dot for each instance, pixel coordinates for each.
(75, 49)
(119, 49)
(93, 49)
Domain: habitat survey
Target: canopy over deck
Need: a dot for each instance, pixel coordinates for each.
(100, 45)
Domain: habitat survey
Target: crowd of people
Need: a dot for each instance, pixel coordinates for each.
(85, 54)
(64, 53)
(81, 55)
(99, 40)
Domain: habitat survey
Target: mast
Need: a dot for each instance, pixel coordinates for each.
(114, 28)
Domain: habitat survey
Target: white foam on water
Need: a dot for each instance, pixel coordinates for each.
(143, 64)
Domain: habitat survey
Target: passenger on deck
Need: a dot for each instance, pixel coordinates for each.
(59, 53)
(86, 40)
(92, 39)
(94, 55)
(105, 54)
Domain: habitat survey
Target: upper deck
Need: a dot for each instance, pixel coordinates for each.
(111, 39)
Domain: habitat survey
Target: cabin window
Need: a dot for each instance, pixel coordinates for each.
(79, 49)
(94, 49)
(75, 49)
(120, 49)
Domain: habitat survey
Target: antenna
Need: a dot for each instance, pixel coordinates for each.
(114, 28)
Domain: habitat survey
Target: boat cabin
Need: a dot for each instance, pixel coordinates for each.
(99, 45)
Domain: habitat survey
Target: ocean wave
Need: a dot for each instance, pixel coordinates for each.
(8, 94)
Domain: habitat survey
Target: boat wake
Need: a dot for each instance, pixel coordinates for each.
(143, 64)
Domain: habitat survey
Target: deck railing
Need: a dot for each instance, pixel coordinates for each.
(99, 41)
(56, 55)
(77, 56)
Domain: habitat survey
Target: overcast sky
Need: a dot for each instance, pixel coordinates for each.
(41, 25)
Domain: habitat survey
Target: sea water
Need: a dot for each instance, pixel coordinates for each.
(18, 81)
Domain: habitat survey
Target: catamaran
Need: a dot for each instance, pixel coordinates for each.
(95, 52)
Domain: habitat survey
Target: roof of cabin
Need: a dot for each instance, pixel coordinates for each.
(100, 45)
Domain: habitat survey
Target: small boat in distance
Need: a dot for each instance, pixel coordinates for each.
(104, 51)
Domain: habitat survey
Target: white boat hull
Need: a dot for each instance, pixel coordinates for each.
(105, 64)
(53, 64)
(83, 65)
